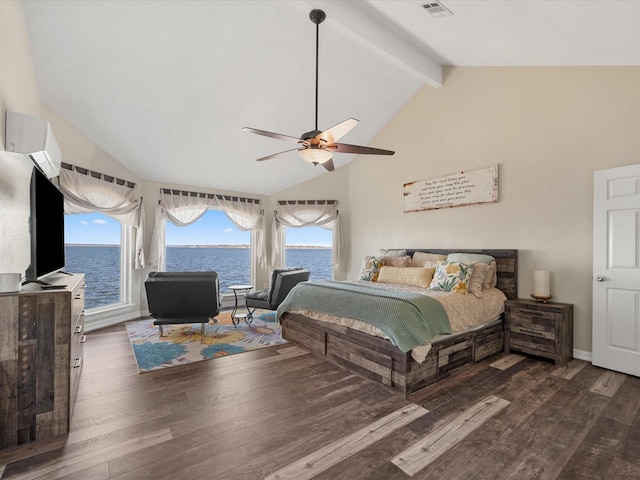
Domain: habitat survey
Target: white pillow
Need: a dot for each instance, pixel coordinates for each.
(470, 258)
(392, 252)
(419, 258)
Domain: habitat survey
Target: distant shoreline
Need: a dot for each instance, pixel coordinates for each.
(300, 247)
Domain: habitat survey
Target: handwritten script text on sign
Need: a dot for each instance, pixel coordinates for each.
(453, 190)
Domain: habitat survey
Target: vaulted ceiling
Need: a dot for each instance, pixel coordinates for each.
(165, 87)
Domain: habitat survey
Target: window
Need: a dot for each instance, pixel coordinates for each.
(93, 247)
(212, 242)
(310, 247)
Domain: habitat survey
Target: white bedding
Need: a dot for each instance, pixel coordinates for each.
(465, 312)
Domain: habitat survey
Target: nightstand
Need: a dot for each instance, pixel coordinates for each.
(542, 329)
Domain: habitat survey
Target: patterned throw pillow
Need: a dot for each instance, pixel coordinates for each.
(452, 277)
(370, 268)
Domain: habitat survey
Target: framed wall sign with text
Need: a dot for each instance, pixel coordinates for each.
(468, 187)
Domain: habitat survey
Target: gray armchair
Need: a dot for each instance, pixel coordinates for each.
(182, 297)
(282, 281)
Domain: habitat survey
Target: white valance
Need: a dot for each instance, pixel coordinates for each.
(84, 193)
(312, 213)
(184, 208)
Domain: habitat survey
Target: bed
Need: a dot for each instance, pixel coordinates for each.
(379, 359)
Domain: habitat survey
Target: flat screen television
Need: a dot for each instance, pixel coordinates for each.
(47, 228)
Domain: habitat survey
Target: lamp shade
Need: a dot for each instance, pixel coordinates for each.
(541, 283)
(315, 155)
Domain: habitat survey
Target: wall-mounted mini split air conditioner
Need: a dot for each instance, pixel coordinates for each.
(33, 137)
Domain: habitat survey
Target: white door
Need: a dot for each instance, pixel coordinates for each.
(616, 269)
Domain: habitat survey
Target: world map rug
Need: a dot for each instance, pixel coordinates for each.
(183, 343)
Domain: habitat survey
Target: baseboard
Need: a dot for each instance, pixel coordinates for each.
(110, 316)
(582, 355)
(228, 301)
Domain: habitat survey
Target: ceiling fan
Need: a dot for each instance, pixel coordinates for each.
(317, 147)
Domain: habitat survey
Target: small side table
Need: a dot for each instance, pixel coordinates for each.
(542, 329)
(236, 317)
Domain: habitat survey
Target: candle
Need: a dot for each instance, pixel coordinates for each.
(541, 283)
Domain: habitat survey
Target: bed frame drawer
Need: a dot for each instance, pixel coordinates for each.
(377, 359)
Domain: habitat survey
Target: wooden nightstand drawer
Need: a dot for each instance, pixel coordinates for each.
(531, 344)
(533, 328)
(543, 329)
(527, 314)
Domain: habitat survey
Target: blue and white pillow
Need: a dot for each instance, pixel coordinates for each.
(452, 277)
(370, 268)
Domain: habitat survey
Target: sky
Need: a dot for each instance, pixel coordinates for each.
(214, 228)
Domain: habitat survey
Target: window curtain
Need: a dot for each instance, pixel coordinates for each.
(184, 208)
(84, 193)
(307, 214)
(247, 216)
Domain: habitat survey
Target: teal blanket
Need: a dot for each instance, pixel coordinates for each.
(408, 319)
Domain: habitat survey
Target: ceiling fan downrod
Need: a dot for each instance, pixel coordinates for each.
(317, 17)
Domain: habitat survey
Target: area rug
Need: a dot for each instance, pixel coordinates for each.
(183, 344)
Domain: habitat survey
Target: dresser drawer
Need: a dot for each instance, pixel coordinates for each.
(77, 305)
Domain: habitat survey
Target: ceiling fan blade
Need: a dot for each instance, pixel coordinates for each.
(278, 136)
(336, 132)
(346, 148)
(269, 157)
(328, 165)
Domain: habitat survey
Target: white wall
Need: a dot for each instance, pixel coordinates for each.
(548, 129)
(18, 92)
(78, 150)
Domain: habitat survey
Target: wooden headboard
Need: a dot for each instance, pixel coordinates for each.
(507, 261)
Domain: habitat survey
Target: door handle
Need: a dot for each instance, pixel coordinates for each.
(600, 278)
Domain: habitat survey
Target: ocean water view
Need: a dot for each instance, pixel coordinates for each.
(101, 266)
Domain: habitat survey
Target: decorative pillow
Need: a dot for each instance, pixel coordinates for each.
(420, 257)
(397, 261)
(491, 277)
(469, 258)
(452, 277)
(416, 276)
(478, 277)
(392, 252)
(370, 267)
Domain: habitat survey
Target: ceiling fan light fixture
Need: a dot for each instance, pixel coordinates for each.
(316, 147)
(315, 155)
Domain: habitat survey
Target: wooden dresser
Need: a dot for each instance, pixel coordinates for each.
(41, 344)
(542, 329)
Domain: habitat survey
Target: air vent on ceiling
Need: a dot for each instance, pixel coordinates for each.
(437, 9)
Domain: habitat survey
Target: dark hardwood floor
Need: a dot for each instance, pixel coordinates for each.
(281, 413)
